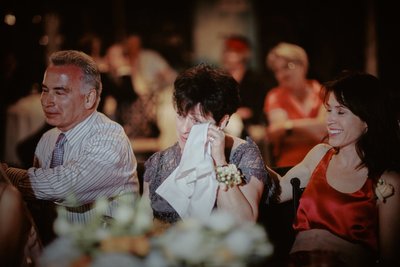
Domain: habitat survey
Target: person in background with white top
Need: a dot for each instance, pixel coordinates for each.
(152, 78)
(96, 160)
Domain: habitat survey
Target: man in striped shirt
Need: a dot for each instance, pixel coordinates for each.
(96, 160)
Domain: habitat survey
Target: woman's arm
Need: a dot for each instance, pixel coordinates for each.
(303, 171)
(389, 221)
(243, 200)
(14, 226)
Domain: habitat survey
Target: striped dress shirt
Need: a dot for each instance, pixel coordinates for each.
(98, 162)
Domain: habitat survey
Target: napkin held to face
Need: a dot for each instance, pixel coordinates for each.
(191, 188)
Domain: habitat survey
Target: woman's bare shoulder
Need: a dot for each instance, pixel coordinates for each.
(305, 168)
(315, 155)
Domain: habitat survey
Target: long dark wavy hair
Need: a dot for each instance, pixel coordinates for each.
(363, 95)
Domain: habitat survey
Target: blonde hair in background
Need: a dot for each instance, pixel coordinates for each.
(289, 52)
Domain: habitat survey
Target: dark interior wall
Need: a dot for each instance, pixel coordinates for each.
(388, 29)
(389, 48)
(332, 32)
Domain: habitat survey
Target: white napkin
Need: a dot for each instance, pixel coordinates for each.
(191, 188)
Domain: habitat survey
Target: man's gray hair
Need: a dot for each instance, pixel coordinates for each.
(91, 73)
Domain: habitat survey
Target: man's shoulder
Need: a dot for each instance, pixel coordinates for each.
(97, 125)
(102, 121)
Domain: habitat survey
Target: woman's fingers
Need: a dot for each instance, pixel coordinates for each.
(215, 133)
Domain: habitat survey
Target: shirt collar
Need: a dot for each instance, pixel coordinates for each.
(74, 134)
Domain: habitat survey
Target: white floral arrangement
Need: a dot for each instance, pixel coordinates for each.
(219, 241)
(129, 240)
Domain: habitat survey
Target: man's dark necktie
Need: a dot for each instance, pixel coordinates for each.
(58, 152)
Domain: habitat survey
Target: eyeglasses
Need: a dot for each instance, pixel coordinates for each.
(288, 66)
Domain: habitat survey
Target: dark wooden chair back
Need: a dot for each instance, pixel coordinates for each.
(297, 192)
(278, 218)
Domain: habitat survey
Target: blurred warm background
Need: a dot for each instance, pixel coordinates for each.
(337, 35)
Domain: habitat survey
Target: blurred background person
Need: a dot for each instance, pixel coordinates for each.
(93, 45)
(249, 119)
(20, 110)
(150, 71)
(118, 94)
(152, 79)
(294, 109)
(252, 85)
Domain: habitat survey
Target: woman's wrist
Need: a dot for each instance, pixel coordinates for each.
(220, 162)
(229, 175)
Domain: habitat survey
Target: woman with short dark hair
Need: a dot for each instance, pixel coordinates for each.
(207, 95)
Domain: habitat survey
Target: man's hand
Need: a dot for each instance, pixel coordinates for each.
(4, 166)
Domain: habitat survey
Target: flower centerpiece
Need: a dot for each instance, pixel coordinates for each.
(129, 239)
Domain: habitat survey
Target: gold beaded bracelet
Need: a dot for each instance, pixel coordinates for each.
(229, 175)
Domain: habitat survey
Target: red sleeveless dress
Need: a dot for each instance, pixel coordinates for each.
(351, 216)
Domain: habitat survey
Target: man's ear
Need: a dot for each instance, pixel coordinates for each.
(90, 99)
(224, 121)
